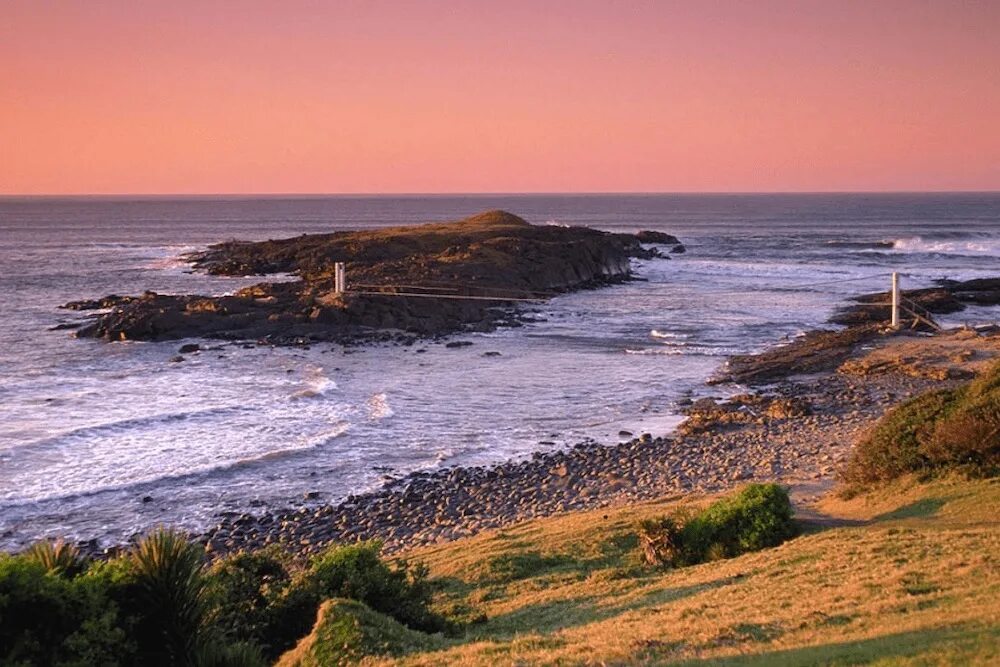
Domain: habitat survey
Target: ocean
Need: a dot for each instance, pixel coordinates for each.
(102, 440)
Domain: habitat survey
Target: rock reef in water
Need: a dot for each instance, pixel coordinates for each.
(824, 350)
(495, 256)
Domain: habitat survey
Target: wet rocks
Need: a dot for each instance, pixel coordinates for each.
(648, 236)
(815, 352)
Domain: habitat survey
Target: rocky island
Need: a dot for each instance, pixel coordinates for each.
(403, 282)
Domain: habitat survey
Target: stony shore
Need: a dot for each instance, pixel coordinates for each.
(796, 431)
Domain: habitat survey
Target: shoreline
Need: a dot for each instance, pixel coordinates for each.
(431, 507)
(795, 430)
(795, 427)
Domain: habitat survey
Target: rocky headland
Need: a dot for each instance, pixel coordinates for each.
(492, 262)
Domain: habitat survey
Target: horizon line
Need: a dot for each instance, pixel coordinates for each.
(442, 194)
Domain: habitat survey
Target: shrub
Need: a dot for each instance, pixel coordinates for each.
(758, 517)
(357, 572)
(249, 600)
(938, 430)
(47, 618)
(160, 605)
(660, 540)
(255, 596)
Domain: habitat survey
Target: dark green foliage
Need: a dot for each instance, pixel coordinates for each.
(893, 447)
(57, 557)
(170, 587)
(244, 590)
(939, 430)
(758, 517)
(254, 600)
(148, 607)
(258, 598)
(357, 572)
(48, 618)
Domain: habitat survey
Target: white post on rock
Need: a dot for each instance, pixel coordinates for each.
(339, 278)
(895, 300)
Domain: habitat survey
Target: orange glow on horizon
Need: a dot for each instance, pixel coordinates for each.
(306, 97)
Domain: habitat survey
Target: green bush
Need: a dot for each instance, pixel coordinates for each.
(48, 618)
(257, 597)
(148, 607)
(357, 572)
(251, 599)
(170, 588)
(56, 557)
(162, 604)
(758, 517)
(936, 431)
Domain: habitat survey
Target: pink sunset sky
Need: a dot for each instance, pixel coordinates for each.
(341, 97)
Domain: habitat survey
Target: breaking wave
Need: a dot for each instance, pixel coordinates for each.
(974, 247)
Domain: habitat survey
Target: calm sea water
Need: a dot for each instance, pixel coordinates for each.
(89, 429)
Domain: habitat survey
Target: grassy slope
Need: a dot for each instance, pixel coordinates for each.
(910, 575)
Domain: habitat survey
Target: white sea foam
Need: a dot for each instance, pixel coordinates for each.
(700, 350)
(669, 335)
(972, 247)
(316, 386)
(378, 407)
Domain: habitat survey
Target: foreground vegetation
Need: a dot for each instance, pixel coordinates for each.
(163, 604)
(902, 570)
(906, 575)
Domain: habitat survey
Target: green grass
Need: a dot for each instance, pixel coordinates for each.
(912, 578)
(347, 631)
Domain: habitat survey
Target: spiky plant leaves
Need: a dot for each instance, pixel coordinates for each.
(57, 557)
(171, 584)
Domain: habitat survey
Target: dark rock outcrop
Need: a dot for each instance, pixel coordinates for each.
(815, 352)
(402, 279)
(647, 236)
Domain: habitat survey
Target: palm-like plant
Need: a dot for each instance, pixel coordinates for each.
(57, 557)
(168, 570)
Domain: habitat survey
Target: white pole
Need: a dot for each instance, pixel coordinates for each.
(895, 300)
(338, 277)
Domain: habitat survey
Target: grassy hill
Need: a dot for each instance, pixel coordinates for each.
(909, 574)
